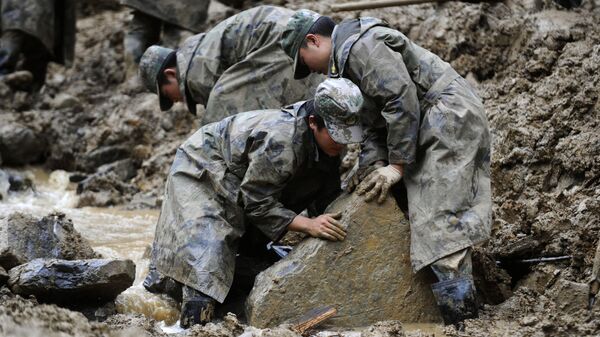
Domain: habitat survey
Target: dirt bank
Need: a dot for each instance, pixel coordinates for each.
(537, 67)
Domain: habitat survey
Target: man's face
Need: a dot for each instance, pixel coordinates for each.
(316, 54)
(324, 140)
(171, 88)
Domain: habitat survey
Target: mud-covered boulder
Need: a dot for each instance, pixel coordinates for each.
(20, 145)
(367, 277)
(24, 238)
(72, 281)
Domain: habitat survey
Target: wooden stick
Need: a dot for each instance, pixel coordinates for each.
(313, 318)
(360, 5)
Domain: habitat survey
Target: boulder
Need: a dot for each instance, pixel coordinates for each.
(20, 145)
(103, 155)
(367, 277)
(24, 238)
(64, 281)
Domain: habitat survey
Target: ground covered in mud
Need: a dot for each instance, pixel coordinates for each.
(536, 65)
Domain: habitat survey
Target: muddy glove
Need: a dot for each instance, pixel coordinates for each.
(378, 183)
(362, 172)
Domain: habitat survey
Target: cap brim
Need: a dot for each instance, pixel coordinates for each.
(346, 134)
(300, 69)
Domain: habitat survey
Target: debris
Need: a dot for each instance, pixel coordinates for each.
(313, 318)
(24, 238)
(62, 281)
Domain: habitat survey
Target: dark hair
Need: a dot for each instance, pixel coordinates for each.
(323, 26)
(170, 62)
(309, 107)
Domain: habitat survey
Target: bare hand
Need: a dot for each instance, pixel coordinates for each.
(327, 227)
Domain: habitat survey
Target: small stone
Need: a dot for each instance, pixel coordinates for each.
(65, 101)
(63, 281)
(19, 79)
(20, 145)
(529, 321)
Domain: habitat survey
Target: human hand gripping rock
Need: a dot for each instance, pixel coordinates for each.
(361, 174)
(378, 183)
(327, 226)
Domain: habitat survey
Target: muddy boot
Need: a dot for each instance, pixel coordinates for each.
(157, 283)
(196, 308)
(11, 45)
(457, 300)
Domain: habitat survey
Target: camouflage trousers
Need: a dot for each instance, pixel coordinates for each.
(143, 31)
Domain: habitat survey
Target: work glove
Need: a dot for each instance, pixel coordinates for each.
(378, 183)
(362, 172)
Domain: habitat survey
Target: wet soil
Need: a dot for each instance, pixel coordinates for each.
(535, 64)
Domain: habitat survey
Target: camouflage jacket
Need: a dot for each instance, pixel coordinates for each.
(187, 14)
(394, 75)
(280, 169)
(51, 22)
(239, 66)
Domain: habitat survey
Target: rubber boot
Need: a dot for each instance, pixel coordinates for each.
(157, 283)
(196, 308)
(457, 300)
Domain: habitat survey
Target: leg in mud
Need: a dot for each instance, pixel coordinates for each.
(157, 283)
(196, 308)
(171, 35)
(36, 61)
(455, 292)
(142, 32)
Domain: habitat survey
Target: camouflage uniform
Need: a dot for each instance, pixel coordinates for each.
(256, 168)
(239, 66)
(43, 30)
(152, 17)
(419, 112)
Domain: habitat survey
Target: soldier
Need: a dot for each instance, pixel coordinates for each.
(424, 124)
(236, 66)
(39, 30)
(255, 169)
(149, 18)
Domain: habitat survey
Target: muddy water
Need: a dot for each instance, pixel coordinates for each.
(112, 232)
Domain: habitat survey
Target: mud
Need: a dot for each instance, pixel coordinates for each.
(536, 65)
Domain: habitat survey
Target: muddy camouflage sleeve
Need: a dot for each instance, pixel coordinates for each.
(271, 166)
(385, 79)
(207, 67)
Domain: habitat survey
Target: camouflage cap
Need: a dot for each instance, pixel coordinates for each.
(338, 101)
(293, 35)
(152, 63)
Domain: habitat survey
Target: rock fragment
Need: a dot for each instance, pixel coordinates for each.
(63, 281)
(24, 238)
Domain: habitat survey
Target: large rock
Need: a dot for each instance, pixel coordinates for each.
(367, 277)
(72, 281)
(24, 238)
(20, 145)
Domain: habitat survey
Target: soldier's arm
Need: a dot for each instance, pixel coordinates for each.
(384, 78)
(271, 165)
